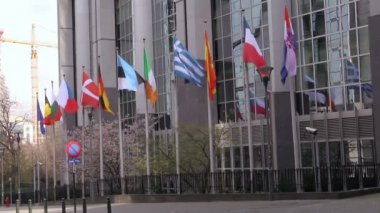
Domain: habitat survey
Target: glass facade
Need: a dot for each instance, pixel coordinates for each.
(227, 32)
(124, 35)
(164, 26)
(334, 74)
(333, 55)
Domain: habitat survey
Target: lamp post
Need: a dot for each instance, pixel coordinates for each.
(264, 73)
(10, 188)
(2, 174)
(18, 167)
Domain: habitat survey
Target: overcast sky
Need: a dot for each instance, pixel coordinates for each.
(16, 18)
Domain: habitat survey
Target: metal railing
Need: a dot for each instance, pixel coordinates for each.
(317, 179)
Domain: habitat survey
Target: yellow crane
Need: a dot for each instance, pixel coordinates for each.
(33, 43)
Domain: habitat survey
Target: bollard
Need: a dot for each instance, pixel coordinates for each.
(109, 205)
(63, 205)
(45, 206)
(30, 205)
(84, 205)
(17, 206)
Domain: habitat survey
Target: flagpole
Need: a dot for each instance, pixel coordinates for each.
(83, 150)
(247, 105)
(64, 129)
(54, 156)
(176, 135)
(101, 153)
(294, 133)
(210, 132)
(38, 156)
(100, 114)
(121, 146)
(64, 132)
(147, 136)
(46, 162)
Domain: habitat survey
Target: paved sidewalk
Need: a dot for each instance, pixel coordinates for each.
(364, 204)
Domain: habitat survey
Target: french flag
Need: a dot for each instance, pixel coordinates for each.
(251, 52)
(290, 59)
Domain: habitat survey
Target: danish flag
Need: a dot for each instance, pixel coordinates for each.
(90, 92)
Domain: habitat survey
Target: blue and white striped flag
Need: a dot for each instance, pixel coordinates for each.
(185, 66)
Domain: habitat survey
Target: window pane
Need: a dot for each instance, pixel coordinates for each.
(304, 6)
(246, 156)
(321, 75)
(306, 26)
(237, 162)
(306, 155)
(318, 23)
(320, 49)
(257, 156)
(337, 99)
(363, 40)
(227, 157)
(367, 151)
(307, 52)
(322, 154)
(365, 68)
(336, 75)
(316, 4)
(351, 152)
(308, 77)
(335, 153)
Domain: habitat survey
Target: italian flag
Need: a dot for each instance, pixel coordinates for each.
(150, 84)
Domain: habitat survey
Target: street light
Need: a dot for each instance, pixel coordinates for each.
(18, 167)
(264, 73)
(2, 174)
(10, 188)
(317, 177)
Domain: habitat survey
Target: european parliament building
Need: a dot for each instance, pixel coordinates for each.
(338, 51)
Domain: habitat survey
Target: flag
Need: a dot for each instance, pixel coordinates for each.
(251, 50)
(290, 59)
(210, 70)
(65, 98)
(185, 66)
(47, 112)
(56, 113)
(104, 102)
(127, 78)
(90, 92)
(40, 118)
(150, 85)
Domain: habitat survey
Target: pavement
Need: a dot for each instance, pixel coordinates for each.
(362, 204)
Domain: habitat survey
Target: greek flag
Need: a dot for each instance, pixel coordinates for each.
(185, 66)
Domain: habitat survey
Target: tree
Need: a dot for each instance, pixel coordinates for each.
(193, 149)
(9, 127)
(133, 146)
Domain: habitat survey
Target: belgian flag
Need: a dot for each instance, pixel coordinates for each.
(47, 113)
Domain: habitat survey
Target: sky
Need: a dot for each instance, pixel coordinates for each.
(16, 19)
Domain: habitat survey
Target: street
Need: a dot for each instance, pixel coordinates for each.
(364, 204)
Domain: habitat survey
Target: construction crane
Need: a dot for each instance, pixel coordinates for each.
(33, 43)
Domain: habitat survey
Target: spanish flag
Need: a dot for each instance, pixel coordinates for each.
(104, 102)
(47, 113)
(210, 70)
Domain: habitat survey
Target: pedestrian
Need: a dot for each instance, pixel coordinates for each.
(7, 201)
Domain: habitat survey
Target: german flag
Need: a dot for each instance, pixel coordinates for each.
(47, 113)
(104, 102)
